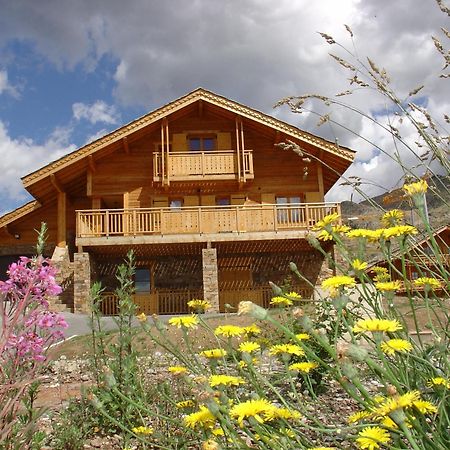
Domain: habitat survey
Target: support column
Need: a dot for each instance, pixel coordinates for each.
(210, 278)
(81, 281)
(61, 230)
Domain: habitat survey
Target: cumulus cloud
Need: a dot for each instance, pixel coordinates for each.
(99, 111)
(22, 156)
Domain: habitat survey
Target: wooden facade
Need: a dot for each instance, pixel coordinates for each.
(202, 172)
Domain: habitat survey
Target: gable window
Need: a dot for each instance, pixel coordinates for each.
(202, 143)
(142, 280)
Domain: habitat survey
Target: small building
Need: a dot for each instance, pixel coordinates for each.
(199, 190)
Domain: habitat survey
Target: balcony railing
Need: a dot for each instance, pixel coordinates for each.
(201, 219)
(204, 165)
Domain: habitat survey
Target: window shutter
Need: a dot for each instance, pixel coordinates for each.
(160, 202)
(238, 199)
(179, 142)
(224, 141)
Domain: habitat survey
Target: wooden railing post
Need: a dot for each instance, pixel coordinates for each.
(237, 218)
(199, 219)
(307, 216)
(107, 223)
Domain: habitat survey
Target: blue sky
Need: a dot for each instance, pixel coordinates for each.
(72, 71)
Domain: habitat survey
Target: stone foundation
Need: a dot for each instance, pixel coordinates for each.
(82, 282)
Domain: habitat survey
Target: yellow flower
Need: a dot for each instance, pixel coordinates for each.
(217, 432)
(141, 317)
(370, 438)
(425, 407)
(396, 345)
(303, 336)
(340, 229)
(324, 235)
(251, 408)
(210, 444)
(359, 265)
(427, 283)
(371, 235)
(420, 187)
(398, 231)
(358, 416)
(392, 404)
(249, 347)
(229, 330)
(304, 367)
(387, 286)
(142, 430)
(225, 380)
(186, 404)
(184, 321)
(322, 448)
(252, 329)
(281, 413)
(214, 353)
(392, 218)
(377, 325)
(294, 295)
(327, 220)
(379, 270)
(439, 381)
(286, 349)
(203, 418)
(177, 370)
(199, 305)
(338, 281)
(280, 301)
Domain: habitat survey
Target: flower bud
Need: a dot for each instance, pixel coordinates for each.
(255, 311)
(357, 353)
(276, 289)
(293, 267)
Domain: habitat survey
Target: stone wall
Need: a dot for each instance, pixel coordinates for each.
(82, 265)
(210, 278)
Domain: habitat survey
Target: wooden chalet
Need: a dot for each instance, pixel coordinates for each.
(201, 192)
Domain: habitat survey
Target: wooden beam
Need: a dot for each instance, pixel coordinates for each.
(89, 177)
(56, 184)
(320, 176)
(125, 145)
(91, 164)
(61, 220)
(200, 108)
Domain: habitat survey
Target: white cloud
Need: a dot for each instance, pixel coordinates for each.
(6, 86)
(99, 111)
(22, 156)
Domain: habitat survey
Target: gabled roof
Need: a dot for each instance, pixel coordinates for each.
(19, 212)
(196, 95)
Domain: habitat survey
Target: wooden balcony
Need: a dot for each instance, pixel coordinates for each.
(205, 165)
(198, 223)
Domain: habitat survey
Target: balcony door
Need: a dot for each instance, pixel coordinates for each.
(288, 210)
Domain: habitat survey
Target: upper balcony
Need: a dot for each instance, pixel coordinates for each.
(203, 165)
(198, 223)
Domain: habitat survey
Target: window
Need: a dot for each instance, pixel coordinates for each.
(202, 143)
(223, 201)
(142, 280)
(286, 212)
(176, 203)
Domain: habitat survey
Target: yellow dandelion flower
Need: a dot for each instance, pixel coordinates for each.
(185, 404)
(324, 235)
(439, 381)
(370, 438)
(398, 231)
(420, 187)
(392, 218)
(371, 235)
(251, 408)
(141, 317)
(396, 345)
(217, 432)
(303, 336)
(210, 444)
(177, 370)
(214, 353)
(388, 286)
(327, 220)
(184, 321)
(377, 325)
(294, 295)
(202, 418)
(358, 416)
(249, 347)
(427, 282)
(392, 404)
(280, 301)
(225, 380)
(338, 281)
(281, 413)
(359, 265)
(304, 367)
(142, 430)
(382, 278)
(199, 305)
(340, 229)
(379, 270)
(425, 407)
(229, 330)
(290, 349)
(252, 329)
